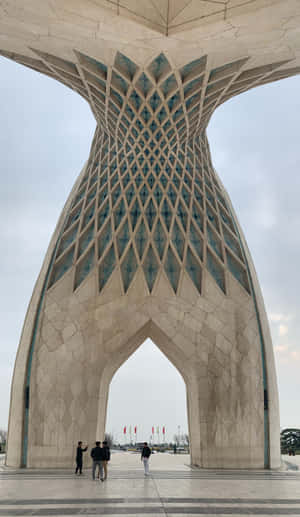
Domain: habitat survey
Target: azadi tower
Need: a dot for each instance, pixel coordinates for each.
(148, 244)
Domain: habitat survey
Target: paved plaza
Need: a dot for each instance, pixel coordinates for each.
(173, 488)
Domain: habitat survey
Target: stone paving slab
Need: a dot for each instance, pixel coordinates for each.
(172, 489)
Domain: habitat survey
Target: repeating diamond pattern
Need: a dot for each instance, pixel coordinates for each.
(150, 199)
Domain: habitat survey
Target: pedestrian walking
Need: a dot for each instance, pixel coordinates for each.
(98, 456)
(79, 454)
(106, 450)
(146, 452)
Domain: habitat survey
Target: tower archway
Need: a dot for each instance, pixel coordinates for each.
(176, 358)
(147, 400)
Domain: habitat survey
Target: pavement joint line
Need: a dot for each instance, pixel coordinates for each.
(168, 500)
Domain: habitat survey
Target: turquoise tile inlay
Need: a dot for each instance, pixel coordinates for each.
(198, 196)
(172, 195)
(104, 239)
(193, 68)
(178, 239)
(124, 65)
(146, 115)
(157, 194)
(210, 198)
(128, 268)
(176, 181)
(196, 241)
(74, 216)
(106, 267)
(79, 197)
(193, 86)
(150, 268)
(169, 85)
(215, 270)
(155, 101)
(144, 194)
(151, 180)
(194, 270)
(86, 239)
(103, 214)
(141, 238)
(91, 195)
(238, 271)
(182, 214)
(186, 195)
(67, 239)
(195, 99)
(159, 67)
(214, 241)
(84, 266)
(119, 213)
(232, 243)
(136, 100)
(197, 216)
(116, 194)
(153, 126)
(116, 97)
(226, 219)
(129, 112)
(150, 214)
(123, 238)
(138, 180)
(172, 269)
(164, 180)
(187, 181)
(173, 101)
(166, 213)
(64, 264)
(135, 213)
(212, 217)
(126, 180)
(119, 82)
(159, 239)
(144, 84)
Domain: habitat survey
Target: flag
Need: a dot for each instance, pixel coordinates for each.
(130, 430)
(164, 430)
(124, 430)
(135, 428)
(157, 429)
(153, 429)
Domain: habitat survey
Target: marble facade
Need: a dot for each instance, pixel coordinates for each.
(148, 244)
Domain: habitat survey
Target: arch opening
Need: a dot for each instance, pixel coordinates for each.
(147, 402)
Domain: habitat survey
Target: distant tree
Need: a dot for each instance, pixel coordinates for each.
(177, 439)
(110, 439)
(3, 437)
(186, 439)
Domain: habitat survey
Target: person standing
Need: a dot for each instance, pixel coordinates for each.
(106, 450)
(97, 453)
(146, 452)
(79, 453)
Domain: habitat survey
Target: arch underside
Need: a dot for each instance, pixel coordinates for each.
(148, 246)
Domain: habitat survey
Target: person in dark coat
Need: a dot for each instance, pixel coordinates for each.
(98, 455)
(107, 457)
(146, 452)
(79, 453)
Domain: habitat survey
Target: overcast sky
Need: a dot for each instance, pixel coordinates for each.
(44, 141)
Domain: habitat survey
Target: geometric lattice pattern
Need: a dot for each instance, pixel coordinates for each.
(150, 199)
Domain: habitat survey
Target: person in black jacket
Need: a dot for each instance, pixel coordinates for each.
(79, 452)
(98, 455)
(107, 457)
(146, 452)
